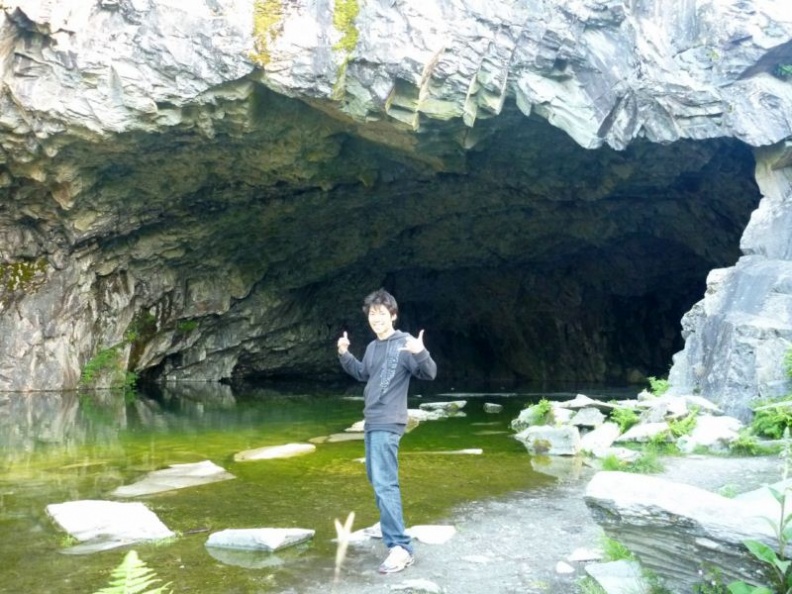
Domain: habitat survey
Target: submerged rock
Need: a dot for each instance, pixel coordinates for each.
(288, 450)
(177, 476)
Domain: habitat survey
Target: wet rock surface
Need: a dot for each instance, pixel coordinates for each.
(513, 545)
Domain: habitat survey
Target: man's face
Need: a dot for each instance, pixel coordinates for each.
(381, 320)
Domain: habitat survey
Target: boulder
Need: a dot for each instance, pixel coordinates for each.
(552, 441)
(583, 401)
(587, 417)
(643, 432)
(492, 408)
(600, 439)
(678, 531)
(713, 433)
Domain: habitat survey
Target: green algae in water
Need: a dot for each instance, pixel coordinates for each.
(91, 456)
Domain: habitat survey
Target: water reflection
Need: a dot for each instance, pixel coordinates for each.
(67, 447)
(31, 422)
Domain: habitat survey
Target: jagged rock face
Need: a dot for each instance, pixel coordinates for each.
(210, 195)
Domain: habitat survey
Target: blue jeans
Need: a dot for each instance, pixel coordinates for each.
(382, 469)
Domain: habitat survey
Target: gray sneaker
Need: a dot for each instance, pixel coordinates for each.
(398, 559)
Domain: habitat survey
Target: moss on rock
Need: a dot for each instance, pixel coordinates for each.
(344, 16)
(267, 18)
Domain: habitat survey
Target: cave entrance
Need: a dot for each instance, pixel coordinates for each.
(544, 262)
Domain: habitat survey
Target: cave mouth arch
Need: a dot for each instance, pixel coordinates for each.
(526, 258)
(536, 262)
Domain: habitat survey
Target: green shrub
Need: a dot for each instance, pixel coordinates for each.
(657, 386)
(648, 463)
(613, 550)
(772, 417)
(747, 444)
(624, 418)
(684, 426)
(543, 413)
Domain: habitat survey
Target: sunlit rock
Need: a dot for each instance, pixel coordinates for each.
(712, 433)
(176, 476)
(587, 417)
(551, 441)
(598, 440)
(446, 407)
(100, 525)
(259, 539)
(678, 531)
(288, 450)
(643, 432)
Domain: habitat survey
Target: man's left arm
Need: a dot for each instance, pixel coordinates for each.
(419, 360)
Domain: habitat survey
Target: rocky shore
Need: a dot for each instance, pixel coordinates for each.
(527, 543)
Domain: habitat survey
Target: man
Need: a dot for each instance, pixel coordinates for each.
(387, 366)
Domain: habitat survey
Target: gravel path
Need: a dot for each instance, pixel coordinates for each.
(513, 545)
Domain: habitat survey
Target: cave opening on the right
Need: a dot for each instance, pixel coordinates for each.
(567, 266)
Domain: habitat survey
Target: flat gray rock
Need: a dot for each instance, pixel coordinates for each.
(101, 525)
(176, 476)
(259, 539)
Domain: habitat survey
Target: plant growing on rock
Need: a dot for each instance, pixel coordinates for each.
(771, 418)
(778, 564)
(624, 418)
(780, 568)
(657, 386)
(685, 425)
(543, 413)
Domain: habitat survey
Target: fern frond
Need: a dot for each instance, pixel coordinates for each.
(133, 576)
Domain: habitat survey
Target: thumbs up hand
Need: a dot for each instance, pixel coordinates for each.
(414, 345)
(343, 344)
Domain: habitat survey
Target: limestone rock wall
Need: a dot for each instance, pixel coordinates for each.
(192, 188)
(738, 336)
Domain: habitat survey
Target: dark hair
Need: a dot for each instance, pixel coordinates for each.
(380, 297)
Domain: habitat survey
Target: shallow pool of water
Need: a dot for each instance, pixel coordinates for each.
(63, 447)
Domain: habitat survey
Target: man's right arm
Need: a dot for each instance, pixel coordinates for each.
(352, 366)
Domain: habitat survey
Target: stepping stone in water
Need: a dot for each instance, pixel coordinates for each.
(177, 476)
(271, 452)
(102, 525)
(259, 539)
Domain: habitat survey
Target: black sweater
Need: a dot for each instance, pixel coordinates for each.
(387, 372)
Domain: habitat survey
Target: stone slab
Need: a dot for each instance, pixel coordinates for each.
(176, 476)
(102, 525)
(259, 539)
